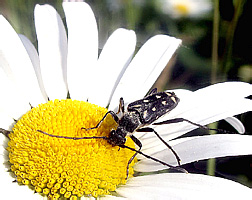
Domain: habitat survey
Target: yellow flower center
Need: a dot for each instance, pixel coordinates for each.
(59, 167)
(182, 8)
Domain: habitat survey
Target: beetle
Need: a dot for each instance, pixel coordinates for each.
(138, 116)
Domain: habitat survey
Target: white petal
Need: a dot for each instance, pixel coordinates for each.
(87, 198)
(192, 149)
(212, 97)
(213, 103)
(236, 123)
(52, 47)
(204, 106)
(112, 197)
(3, 155)
(113, 60)
(17, 62)
(183, 186)
(6, 121)
(145, 68)
(3, 145)
(33, 54)
(12, 101)
(82, 48)
(235, 89)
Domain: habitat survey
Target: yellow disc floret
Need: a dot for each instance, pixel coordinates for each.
(182, 8)
(60, 167)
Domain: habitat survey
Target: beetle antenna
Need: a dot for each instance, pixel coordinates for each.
(74, 138)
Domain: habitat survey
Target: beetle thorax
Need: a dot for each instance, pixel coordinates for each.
(129, 122)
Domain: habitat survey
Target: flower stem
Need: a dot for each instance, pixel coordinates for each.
(211, 164)
(230, 35)
(215, 40)
(211, 167)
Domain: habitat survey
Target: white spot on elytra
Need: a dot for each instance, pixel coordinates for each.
(173, 99)
(145, 114)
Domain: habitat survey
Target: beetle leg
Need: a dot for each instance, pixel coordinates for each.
(177, 120)
(148, 129)
(115, 117)
(121, 106)
(153, 91)
(138, 143)
(156, 160)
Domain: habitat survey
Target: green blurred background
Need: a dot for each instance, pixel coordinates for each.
(217, 47)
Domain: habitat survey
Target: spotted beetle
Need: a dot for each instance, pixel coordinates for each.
(138, 116)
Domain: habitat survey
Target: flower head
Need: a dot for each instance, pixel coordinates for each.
(43, 150)
(185, 8)
(61, 167)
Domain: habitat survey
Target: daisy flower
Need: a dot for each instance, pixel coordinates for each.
(185, 8)
(35, 86)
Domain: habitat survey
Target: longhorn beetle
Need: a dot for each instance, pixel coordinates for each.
(138, 116)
